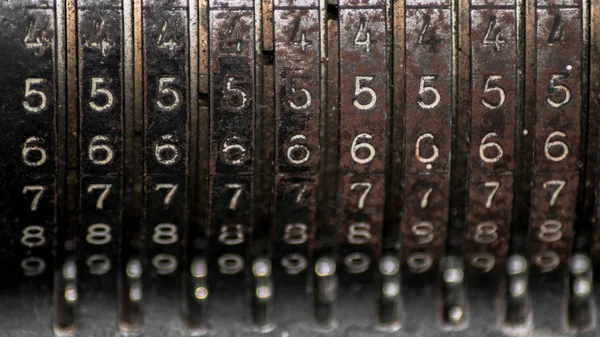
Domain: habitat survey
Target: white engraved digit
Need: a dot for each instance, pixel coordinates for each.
(165, 234)
(98, 234)
(28, 148)
(484, 146)
(560, 184)
(172, 190)
(363, 196)
(367, 146)
(557, 143)
(30, 92)
(359, 233)
(96, 91)
(36, 198)
(233, 203)
(436, 151)
(106, 190)
(490, 88)
(494, 185)
(295, 233)
(423, 88)
(33, 236)
(359, 89)
(554, 87)
(164, 90)
(425, 198)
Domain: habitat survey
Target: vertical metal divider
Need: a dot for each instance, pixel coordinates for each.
(129, 265)
(593, 144)
(581, 307)
(65, 244)
(323, 272)
(62, 138)
(515, 296)
(191, 313)
(196, 290)
(392, 237)
(454, 311)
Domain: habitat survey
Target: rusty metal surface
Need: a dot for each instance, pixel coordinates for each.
(221, 93)
(363, 125)
(428, 84)
(557, 134)
(493, 116)
(297, 123)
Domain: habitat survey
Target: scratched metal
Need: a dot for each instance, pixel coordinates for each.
(166, 142)
(492, 159)
(100, 43)
(27, 177)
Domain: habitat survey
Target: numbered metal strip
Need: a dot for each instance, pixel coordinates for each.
(295, 221)
(297, 97)
(425, 220)
(166, 143)
(428, 60)
(493, 117)
(361, 221)
(232, 91)
(489, 219)
(100, 79)
(232, 141)
(557, 133)
(28, 141)
(166, 131)
(297, 45)
(230, 221)
(552, 219)
(363, 132)
(363, 89)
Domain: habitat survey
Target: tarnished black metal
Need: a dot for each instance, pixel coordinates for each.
(166, 149)
(100, 107)
(28, 143)
(232, 143)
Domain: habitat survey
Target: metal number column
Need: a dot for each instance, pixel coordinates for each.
(427, 130)
(364, 119)
(29, 150)
(166, 158)
(232, 143)
(298, 112)
(101, 106)
(557, 136)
